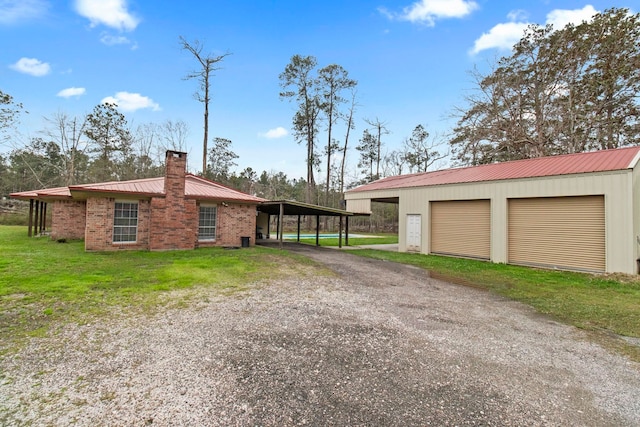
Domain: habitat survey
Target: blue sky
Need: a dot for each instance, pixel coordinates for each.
(411, 60)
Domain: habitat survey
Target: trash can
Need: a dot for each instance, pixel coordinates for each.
(244, 242)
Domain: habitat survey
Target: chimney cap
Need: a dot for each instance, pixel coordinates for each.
(178, 154)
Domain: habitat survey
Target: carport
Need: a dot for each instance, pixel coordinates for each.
(281, 208)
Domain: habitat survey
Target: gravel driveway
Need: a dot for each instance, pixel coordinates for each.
(376, 344)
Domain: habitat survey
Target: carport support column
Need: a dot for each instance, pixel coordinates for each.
(317, 230)
(44, 216)
(346, 231)
(298, 229)
(30, 233)
(340, 233)
(268, 226)
(281, 223)
(37, 218)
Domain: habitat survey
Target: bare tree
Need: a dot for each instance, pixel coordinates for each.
(147, 148)
(9, 112)
(203, 76)
(420, 151)
(68, 134)
(350, 126)
(174, 135)
(394, 162)
(380, 129)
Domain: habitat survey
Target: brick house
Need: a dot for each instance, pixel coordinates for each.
(177, 211)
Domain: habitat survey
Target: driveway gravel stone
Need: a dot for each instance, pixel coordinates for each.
(374, 344)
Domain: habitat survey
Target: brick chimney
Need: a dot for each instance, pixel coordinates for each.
(175, 168)
(173, 217)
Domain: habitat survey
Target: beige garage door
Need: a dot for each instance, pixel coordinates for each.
(462, 228)
(563, 232)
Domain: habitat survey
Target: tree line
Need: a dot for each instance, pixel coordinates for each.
(559, 91)
(565, 90)
(101, 147)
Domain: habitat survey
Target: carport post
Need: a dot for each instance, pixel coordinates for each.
(268, 225)
(298, 228)
(37, 218)
(317, 230)
(30, 216)
(346, 231)
(340, 233)
(44, 216)
(281, 222)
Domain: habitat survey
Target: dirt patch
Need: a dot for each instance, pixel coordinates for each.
(378, 343)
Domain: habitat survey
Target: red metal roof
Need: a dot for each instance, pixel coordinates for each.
(52, 193)
(568, 164)
(145, 186)
(195, 188)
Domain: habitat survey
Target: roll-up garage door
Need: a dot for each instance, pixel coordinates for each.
(462, 228)
(563, 232)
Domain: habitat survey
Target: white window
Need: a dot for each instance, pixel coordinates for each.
(125, 222)
(207, 223)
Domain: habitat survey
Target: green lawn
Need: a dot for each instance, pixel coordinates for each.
(373, 239)
(42, 281)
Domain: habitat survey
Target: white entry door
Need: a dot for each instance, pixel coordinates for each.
(414, 232)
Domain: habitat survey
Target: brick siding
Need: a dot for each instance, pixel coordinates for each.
(165, 222)
(99, 231)
(233, 222)
(68, 219)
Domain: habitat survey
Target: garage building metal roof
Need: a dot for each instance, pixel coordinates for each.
(596, 161)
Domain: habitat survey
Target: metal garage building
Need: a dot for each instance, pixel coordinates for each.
(575, 212)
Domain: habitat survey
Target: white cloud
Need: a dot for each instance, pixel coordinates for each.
(560, 18)
(110, 40)
(16, 11)
(506, 35)
(428, 11)
(278, 132)
(518, 15)
(71, 91)
(131, 101)
(112, 13)
(32, 66)
(502, 36)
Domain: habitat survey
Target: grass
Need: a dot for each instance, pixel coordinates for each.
(374, 239)
(42, 281)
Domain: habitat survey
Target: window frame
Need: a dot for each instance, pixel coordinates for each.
(208, 237)
(131, 222)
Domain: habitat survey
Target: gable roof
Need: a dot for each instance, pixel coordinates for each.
(568, 164)
(195, 188)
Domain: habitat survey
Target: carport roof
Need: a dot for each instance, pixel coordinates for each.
(596, 161)
(292, 207)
